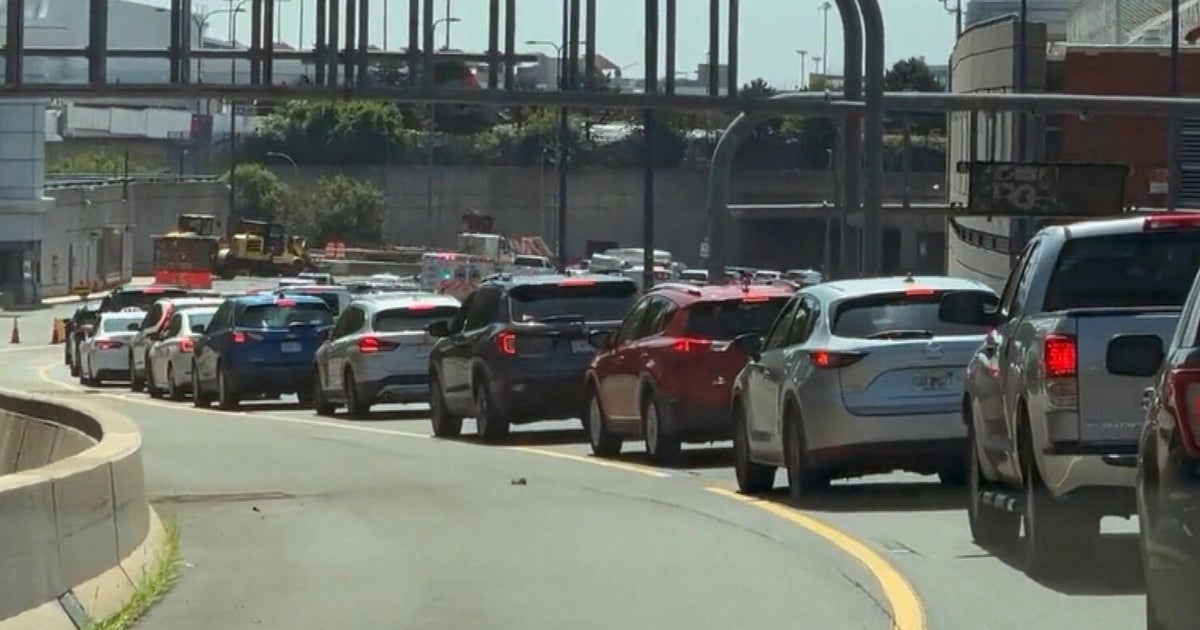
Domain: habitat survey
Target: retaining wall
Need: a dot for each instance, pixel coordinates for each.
(78, 532)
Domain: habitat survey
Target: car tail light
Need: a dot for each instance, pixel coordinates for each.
(186, 344)
(244, 337)
(577, 282)
(754, 299)
(371, 345)
(285, 302)
(1059, 356)
(918, 292)
(1183, 400)
(831, 360)
(506, 343)
(691, 344)
(1172, 221)
(108, 344)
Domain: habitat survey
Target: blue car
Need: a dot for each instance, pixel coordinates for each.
(259, 346)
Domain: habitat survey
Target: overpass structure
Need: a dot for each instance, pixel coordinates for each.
(345, 67)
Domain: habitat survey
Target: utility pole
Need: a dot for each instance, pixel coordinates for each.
(1174, 125)
(803, 68)
(824, 8)
(817, 65)
(448, 8)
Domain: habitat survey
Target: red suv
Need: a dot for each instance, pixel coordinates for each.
(667, 374)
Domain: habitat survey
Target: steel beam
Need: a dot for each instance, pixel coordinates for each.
(14, 43)
(348, 51)
(98, 42)
(176, 39)
(364, 43)
(256, 8)
(714, 47)
(322, 49)
(672, 21)
(589, 50)
(493, 44)
(872, 233)
(850, 155)
(510, 44)
(186, 21)
(268, 40)
(573, 46)
(414, 39)
(732, 43)
(651, 67)
(213, 53)
(333, 40)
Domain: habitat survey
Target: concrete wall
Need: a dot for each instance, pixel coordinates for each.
(70, 242)
(602, 204)
(77, 524)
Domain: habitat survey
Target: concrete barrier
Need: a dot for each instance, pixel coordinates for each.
(77, 530)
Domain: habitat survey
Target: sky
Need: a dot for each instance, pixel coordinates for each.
(771, 30)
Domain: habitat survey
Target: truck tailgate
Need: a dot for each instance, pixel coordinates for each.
(1110, 406)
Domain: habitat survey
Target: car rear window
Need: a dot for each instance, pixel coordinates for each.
(727, 319)
(409, 319)
(331, 298)
(200, 319)
(1142, 269)
(593, 301)
(281, 316)
(140, 299)
(118, 324)
(897, 315)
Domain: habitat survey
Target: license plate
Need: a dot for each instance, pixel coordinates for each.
(933, 381)
(290, 346)
(580, 346)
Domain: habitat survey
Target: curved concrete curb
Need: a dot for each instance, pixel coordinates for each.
(78, 530)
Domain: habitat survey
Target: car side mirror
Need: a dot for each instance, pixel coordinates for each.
(198, 328)
(750, 344)
(1134, 355)
(601, 339)
(439, 329)
(969, 308)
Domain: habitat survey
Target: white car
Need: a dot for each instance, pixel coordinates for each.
(105, 354)
(169, 360)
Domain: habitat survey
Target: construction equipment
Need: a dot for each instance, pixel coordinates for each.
(197, 224)
(262, 248)
(185, 259)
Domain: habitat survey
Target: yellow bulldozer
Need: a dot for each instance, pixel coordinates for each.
(262, 248)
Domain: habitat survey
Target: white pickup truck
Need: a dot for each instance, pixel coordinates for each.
(1053, 399)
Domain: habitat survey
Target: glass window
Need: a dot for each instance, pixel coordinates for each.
(727, 319)
(348, 323)
(1009, 295)
(633, 321)
(174, 327)
(200, 319)
(781, 326)
(805, 322)
(593, 302)
(411, 319)
(897, 316)
(267, 316)
(1137, 270)
(140, 298)
(483, 308)
(119, 324)
(659, 316)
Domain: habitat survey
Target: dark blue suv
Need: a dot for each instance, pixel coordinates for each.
(261, 346)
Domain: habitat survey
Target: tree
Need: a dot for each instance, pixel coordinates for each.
(911, 75)
(345, 209)
(263, 195)
(758, 88)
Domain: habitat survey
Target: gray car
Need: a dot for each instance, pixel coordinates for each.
(378, 352)
(855, 377)
(169, 360)
(151, 328)
(104, 354)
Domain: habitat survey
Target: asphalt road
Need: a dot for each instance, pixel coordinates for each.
(291, 521)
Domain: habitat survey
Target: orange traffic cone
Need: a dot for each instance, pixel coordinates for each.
(16, 333)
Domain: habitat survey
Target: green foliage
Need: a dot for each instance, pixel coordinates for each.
(262, 193)
(338, 132)
(911, 75)
(758, 88)
(345, 209)
(101, 163)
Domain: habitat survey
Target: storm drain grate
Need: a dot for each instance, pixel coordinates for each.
(229, 497)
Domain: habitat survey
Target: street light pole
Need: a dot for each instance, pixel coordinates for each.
(1173, 128)
(447, 18)
(803, 68)
(824, 8)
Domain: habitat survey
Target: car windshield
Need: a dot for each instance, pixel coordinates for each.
(593, 301)
(331, 298)
(142, 299)
(897, 315)
(727, 319)
(408, 319)
(281, 315)
(119, 324)
(1142, 269)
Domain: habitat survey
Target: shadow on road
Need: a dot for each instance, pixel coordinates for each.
(877, 497)
(689, 459)
(1112, 568)
(554, 437)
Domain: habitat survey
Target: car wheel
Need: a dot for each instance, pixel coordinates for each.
(989, 526)
(200, 398)
(151, 387)
(802, 479)
(322, 405)
(604, 442)
(174, 391)
(752, 478)
(445, 424)
(660, 446)
(491, 427)
(357, 407)
(1056, 534)
(75, 364)
(135, 383)
(226, 398)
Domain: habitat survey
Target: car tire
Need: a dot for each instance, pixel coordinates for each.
(662, 447)
(492, 427)
(135, 384)
(604, 442)
(990, 527)
(226, 398)
(802, 479)
(752, 478)
(200, 398)
(355, 405)
(445, 424)
(174, 391)
(1056, 534)
(152, 389)
(321, 404)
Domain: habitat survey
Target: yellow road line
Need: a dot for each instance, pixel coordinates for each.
(595, 461)
(907, 611)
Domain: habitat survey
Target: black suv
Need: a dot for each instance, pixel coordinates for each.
(78, 328)
(518, 350)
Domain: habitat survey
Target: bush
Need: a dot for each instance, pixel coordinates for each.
(344, 209)
(101, 163)
(262, 194)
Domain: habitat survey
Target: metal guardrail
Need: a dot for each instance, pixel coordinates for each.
(75, 181)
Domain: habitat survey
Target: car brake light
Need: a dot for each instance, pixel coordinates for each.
(285, 302)
(1183, 400)
(506, 343)
(371, 345)
(186, 344)
(422, 307)
(1059, 356)
(105, 344)
(753, 299)
(239, 337)
(1172, 221)
(689, 344)
(152, 290)
(918, 291)
(830, 360)
(577, 282)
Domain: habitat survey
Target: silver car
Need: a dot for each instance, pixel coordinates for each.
(379, 352)
(104, 355)
(151, 329)
(855, 377)
(169, 360)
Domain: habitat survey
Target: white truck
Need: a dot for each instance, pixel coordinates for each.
(1053, 398)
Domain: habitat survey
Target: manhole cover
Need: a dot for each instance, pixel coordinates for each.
(231, 497)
